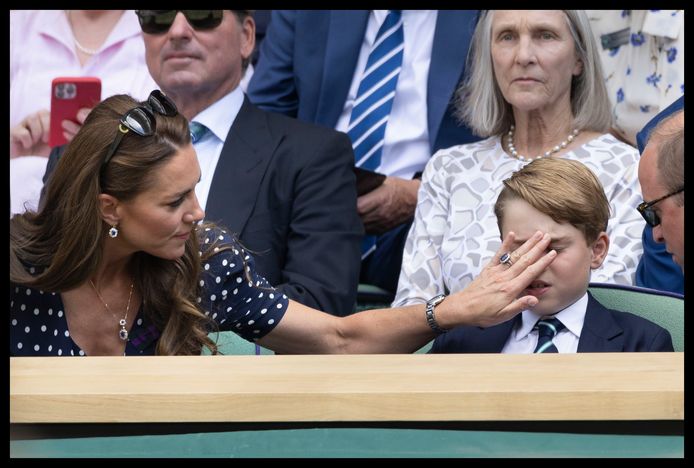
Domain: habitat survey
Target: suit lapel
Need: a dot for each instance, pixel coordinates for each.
(449, 52)
(345, 37)
(492, 339)
(245, 156)
(600, 333)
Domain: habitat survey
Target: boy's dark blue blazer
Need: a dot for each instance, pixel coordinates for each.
(604, 331)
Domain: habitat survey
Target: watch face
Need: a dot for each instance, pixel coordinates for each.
(437, 300)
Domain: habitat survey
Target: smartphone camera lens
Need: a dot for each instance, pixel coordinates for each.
(66, 91)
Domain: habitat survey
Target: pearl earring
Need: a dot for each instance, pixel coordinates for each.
(113, 232)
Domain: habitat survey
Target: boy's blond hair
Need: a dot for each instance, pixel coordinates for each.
(565, 190)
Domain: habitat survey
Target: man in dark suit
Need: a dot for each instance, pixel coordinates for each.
(285, 187)
(565, 199)
(310, 66)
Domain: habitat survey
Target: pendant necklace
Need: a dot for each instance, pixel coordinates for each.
(123, 332)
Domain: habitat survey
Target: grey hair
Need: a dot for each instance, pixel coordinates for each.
(482, 107)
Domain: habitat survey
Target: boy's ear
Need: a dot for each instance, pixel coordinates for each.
(108, 208)
(599, 250)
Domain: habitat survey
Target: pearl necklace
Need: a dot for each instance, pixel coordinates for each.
(123, 332)
(84, 49)
(79, 46)
(547, 153)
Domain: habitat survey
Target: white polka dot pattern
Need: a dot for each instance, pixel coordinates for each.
(39, 327)
(232, 297)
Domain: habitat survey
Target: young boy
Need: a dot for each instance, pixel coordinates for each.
(563, 198)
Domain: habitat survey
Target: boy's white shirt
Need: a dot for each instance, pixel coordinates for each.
(523, 339)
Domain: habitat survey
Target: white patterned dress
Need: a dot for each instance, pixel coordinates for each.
(646, 74)
(455, 233)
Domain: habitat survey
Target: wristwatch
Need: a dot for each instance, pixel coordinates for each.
(431, 303)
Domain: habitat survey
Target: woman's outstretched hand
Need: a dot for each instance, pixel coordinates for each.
(490, 299)
(493, 297)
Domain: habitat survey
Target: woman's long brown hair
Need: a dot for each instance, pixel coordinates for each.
(59, 247)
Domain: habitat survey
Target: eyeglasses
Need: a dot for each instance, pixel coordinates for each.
(159, 21)
(141, 119)
(647, 211)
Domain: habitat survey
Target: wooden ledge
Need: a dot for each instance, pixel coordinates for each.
(447, 387)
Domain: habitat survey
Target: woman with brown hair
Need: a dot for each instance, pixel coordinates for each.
(115, 263)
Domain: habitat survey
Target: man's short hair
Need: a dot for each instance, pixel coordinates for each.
(668, 135)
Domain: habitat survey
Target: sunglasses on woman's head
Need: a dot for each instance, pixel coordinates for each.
(141, 119)
(647, 211)
(159, 21)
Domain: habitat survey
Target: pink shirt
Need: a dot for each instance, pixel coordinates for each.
(42, 48)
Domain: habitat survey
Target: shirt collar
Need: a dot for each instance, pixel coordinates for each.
(572, 317)
(220, 116)
(54, 24)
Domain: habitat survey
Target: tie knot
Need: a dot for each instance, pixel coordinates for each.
(549, 327)
(197, 131)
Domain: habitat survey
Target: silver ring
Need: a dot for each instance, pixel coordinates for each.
(506, 259)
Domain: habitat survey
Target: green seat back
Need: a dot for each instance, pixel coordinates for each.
(231, 344)
(662, 308)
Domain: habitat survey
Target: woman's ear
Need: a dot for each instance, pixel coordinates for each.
(599, 250)
(578, 67)
(108, 208)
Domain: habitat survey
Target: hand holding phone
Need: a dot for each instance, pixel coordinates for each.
(30, 136)
(68, 96)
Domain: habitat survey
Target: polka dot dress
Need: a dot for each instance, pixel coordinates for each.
(232, 294)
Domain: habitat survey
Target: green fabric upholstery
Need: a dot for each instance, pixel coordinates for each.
(358, 443)
(662, 308)
(231, 344)
(370, 296)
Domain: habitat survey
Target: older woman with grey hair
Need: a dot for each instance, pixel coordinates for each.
(535, 89)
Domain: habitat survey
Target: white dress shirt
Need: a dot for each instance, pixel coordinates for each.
(406, 141)
(218, 118)
(523, 339)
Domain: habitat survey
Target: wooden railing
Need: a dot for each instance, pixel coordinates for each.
(600, 386)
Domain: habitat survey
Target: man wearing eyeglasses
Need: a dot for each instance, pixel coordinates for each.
(661, 174)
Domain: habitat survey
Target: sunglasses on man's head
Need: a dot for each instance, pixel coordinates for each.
(141, 119)
(647, 211)
(159, 21)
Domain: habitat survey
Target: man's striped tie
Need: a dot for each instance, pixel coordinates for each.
(367, 123)
(197, 131)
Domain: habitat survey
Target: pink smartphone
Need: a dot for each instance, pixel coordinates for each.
(68, 95)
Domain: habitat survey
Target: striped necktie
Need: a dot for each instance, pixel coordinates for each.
(367, 123)
(197, 131)
(547, 329)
